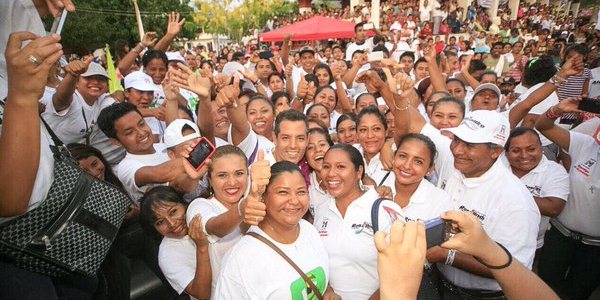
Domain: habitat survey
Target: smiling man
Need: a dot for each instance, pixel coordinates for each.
(146, 163)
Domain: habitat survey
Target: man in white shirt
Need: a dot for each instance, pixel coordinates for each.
(307, 64)
(361, 42)
(146, 164)
(469, 171)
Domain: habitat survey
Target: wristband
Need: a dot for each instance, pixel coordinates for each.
(450, 257)
(551, 114)
(506, 265)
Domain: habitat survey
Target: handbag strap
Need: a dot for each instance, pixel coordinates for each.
(308, 282)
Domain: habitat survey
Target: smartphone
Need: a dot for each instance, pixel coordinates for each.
(437, 231)
(203, 150)
(59, 22)
(590, 105)
(375, 56)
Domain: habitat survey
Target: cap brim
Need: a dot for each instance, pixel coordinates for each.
(468, 135)
(95, 74)
(144, 87)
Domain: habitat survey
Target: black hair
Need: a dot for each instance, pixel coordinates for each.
(154, 54)
(281, 167)
(227, 150)
(381, 48)
(418, 61)
(289, 115)
(274, 74)
(372, 110)
(357, 51)
(423, 139)
(207, 62)
(186, 110)
(456, 80)
(355, 157)
(259, 97)
(360, 97)
(519, 131)
(154, 198)
(452, 100)
(322, 88)
(579, 48)
(538, 70)
(316, 105)
(501, 44)
(345, 117)
(109, 115)
(326, 68)
(81, 151)
(322, 132)
(360, 24)
(381, 74)
(407, 53)
(311, 78)
(278, 95)
(445, 93)
(490, 72)
(476, 65)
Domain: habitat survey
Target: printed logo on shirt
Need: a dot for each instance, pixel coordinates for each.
(323, 228)
(443, 185)
(535, 190)
(477, 214)
(586, 167)
(301, 291)
(364, 228)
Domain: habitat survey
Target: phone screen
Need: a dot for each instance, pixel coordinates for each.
(203, 150)
(59, 22)
(437, 231)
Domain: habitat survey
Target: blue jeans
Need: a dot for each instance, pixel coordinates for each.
(569, 267)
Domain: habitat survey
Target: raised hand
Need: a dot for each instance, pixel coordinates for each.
(429, 54)
(195, 232)
(337, 69)
(302, 88)
(149, 39)
(174, 26)
(289, 68)
(228, 96)
(573, 66)
(404, 81)
(30, 64)
(77, 67)
(359, 59)
(310, 92)
(471, 238)
(371, 80)
(252, 209)
(54, 7)
(249, 75)
(569, 105)
(467, 64)
(185, 78)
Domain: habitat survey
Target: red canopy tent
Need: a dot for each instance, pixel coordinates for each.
(315, 28)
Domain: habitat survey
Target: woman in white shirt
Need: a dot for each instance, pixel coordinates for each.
(319, 142)
(253, 270)
(183, 254)
(261, 115)
(371, 132)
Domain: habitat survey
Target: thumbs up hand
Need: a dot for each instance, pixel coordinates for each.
(302, 88)
(252, 208)
(228, 96)
(78, 67)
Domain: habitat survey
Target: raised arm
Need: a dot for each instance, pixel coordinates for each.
(148, 41)
(285, 50)
(20, 137)
(173, 29)
(546, 122)
(64, 92)
(200, 287)
(464, 73)
(437, 79)
(228, 98)
(358, 61)
(343, 100)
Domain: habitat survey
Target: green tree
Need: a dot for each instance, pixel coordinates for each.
(96, 23)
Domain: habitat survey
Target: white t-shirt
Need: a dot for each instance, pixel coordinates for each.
(317, 196)
(252, 270)
(540, 108)
(583, 208)
(350, 245)
(45, 173)
(375, 170)
(71, 126)
(498, 199)
(132, 163)
(158, 127)
(249, 144)
(547, 179)
(352, 47)
(177, 261)
(297, 74)
(426, 203)
(218, 247)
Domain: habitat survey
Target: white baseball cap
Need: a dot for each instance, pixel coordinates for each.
(175, 56)
(173, 135)
(488, 86)
(396, 26)
(139, 81)
(95, 69)
(483, 126)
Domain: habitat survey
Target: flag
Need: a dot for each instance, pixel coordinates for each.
(114, 84)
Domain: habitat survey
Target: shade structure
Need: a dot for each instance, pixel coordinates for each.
(315, 28)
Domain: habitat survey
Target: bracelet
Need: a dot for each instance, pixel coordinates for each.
(506, 265)
(551, 114)
(450, 257)
(556, 81)
(401, 108)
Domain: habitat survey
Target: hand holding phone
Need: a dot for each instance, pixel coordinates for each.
(438, 231)
(589, 105)
(375, 56)
(59, 22)
(203, 150)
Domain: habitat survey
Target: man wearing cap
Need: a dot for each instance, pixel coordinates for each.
(477, 182)
(139, 91)
(507, 85)
(76, 104)
(486, 97)
(307, 64)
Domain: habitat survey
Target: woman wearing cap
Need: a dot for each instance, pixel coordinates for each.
(573, 243)
(75, 107)
(486, 97)
(139, 91)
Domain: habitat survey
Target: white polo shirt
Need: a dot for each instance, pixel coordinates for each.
(350, 244)
(582, 211)
(375, 170)
(251, 142)
(317, 196)
(218, 247)
(427, 202)
(547, 179)
(177, 260)
(132, 163)
(498, 199)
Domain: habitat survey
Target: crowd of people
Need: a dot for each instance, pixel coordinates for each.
(327, 161)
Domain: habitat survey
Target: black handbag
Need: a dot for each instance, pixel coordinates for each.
(71, 231)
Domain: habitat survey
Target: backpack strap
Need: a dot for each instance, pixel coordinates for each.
(375, 214)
